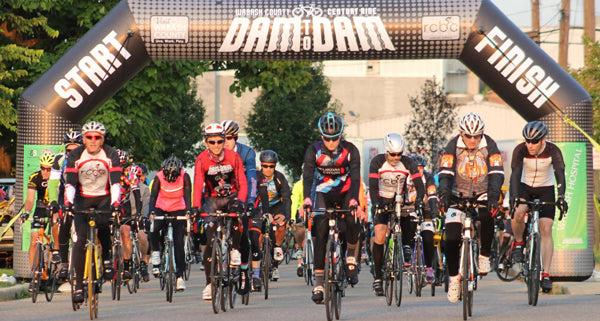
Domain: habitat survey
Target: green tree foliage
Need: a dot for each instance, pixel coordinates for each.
(588, 77)
(433, 117)
(280, 76)
(286, 122)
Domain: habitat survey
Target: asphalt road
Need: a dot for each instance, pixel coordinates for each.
(290, 300)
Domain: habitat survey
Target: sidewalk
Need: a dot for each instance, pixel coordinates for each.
(13, 292)
(590, 286)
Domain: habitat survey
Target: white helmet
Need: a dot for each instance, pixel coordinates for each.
(93, 126)
(394, 143)
(471, 124)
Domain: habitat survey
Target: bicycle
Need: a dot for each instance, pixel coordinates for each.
(117, 259)
(532, 268)
(268, 225)
(44, 271)
(308, 11)
(92, 273)
(505, 265)
(167, 264)
(416, 271)
(439, 258)
(308, 259)
(393, 265)
(190, 256)
(136, 259)
(222, 279)
(288, 245)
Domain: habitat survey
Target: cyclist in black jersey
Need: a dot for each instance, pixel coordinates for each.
(535, 164)
(471, 164)
(334, 165)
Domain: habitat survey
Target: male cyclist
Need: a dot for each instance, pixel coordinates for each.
(171, 195)
(93, 174)
(388, 174)
(221, 173)
(38, 187)
(471, 164)
(274, 193)
(334, 164)
(535, 164)
(56, 197)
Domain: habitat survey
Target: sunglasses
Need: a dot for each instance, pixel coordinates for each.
(216, 142)
(330, 139)
(93, 137)
(268, 166)
(230, 137)
(394, 154)
(473, 136)
(46, 169)
(532, 141)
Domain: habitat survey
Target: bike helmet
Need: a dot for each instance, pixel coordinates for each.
(214, 129)
(73, 137)
(394, 143)
(421, 161)
(144, 168)
(93, 126)
(122, 156)
(535, 130)
(47, 160)
(331, 125)
(471, 124)
(135, 169)
(268, 156)
(172, 168)
(231, 128)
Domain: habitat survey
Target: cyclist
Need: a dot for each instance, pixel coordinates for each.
(221, 173)
(274, 193)
(471, 164)
(56, 197)
(144, 227)
(337, 180)
(387, 172)
(93, 181)
(38, 187)
(296, 215)
(129, 189)
(535, 163)
(171, 194)
(427, 228)
(248, 156)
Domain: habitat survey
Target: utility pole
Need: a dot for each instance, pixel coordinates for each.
(563, 38)
(589, 22)
(535, 21)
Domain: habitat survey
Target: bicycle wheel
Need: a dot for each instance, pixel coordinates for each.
(216, 275)
(189, 257)
(89, 276)
(398, 269)
(388, 274)
(115, 281)
(51, 285)
(309, 263)
(329, 281)
(234, 276)
(170, 274)
(465, 276)
(535, 269)
(435, 265)
(418, 267)
(265, 269)
(226, 280)
(36, 277)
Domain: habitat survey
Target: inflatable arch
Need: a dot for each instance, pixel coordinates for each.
(136, 32)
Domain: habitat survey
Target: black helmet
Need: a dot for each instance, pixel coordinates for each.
(421, 161)
(268, 156)
(144, 168)
(535, 130)
(331, 125)
(171, 168)
(73, 137)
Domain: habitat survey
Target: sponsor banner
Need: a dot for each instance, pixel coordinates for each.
(97, 66)
(571, 233)
(516, 68)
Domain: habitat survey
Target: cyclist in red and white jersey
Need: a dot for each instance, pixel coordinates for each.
(535, 164)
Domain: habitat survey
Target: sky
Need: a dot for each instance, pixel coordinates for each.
(519, 11)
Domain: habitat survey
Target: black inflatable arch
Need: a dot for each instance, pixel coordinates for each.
(473, 31)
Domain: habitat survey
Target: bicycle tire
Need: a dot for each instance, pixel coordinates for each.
(36, 277)
(388, 273)
(474, 250)
(89, 273)
(435, 265)
(226, 280)
(536, 271)
(113, 281)
(233, 287)
(398, 269)
(216, 275)
(51, 282)
(418, 267)
(465, 278)
(329, 279)
(170, 274)
(189, 257)
(266, 266)
(308, 272)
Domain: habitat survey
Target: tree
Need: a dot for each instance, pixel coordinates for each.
(286, 122)
(433, 117)
(587, 76)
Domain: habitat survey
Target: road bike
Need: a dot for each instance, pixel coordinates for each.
(190, 255)
(167, 264)
(117, 258)
(506, 268)
(222, 278)
(289, 244)
(532, 268)
(416, 271)
(136, 259)
(266, 265)
(44, 271)
(393, 254)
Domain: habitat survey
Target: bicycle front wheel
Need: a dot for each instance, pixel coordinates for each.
(92, 296)
(329, 279)
(115, 282)
(308, 262)
(388, 273)
(534, 270)
(189, 257)
(465, 278)
(266, 265)
(170, 274)
(36, 279)
(216, 275)
(418, 267)
(398, 269)
(51, 281)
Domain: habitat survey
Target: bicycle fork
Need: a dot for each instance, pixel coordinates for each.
(469, 252)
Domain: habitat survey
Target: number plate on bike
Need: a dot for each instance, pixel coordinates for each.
(455, 216)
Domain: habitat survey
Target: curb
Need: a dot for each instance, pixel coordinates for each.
(13, 292)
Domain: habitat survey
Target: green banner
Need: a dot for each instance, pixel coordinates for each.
(571, 233)
(31, 164)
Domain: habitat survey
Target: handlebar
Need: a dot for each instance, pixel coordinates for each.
(219, 214)
(535, 203)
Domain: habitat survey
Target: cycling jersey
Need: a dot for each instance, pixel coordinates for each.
(94, 175)
(274, 192)
(537, 170)
(221, 177)
(385, 179)
(431, 191)
(56, 182)
(248, 156)
(38, 183)
(297, 198)
(464, 171)
(337, 171)
(171, 196)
